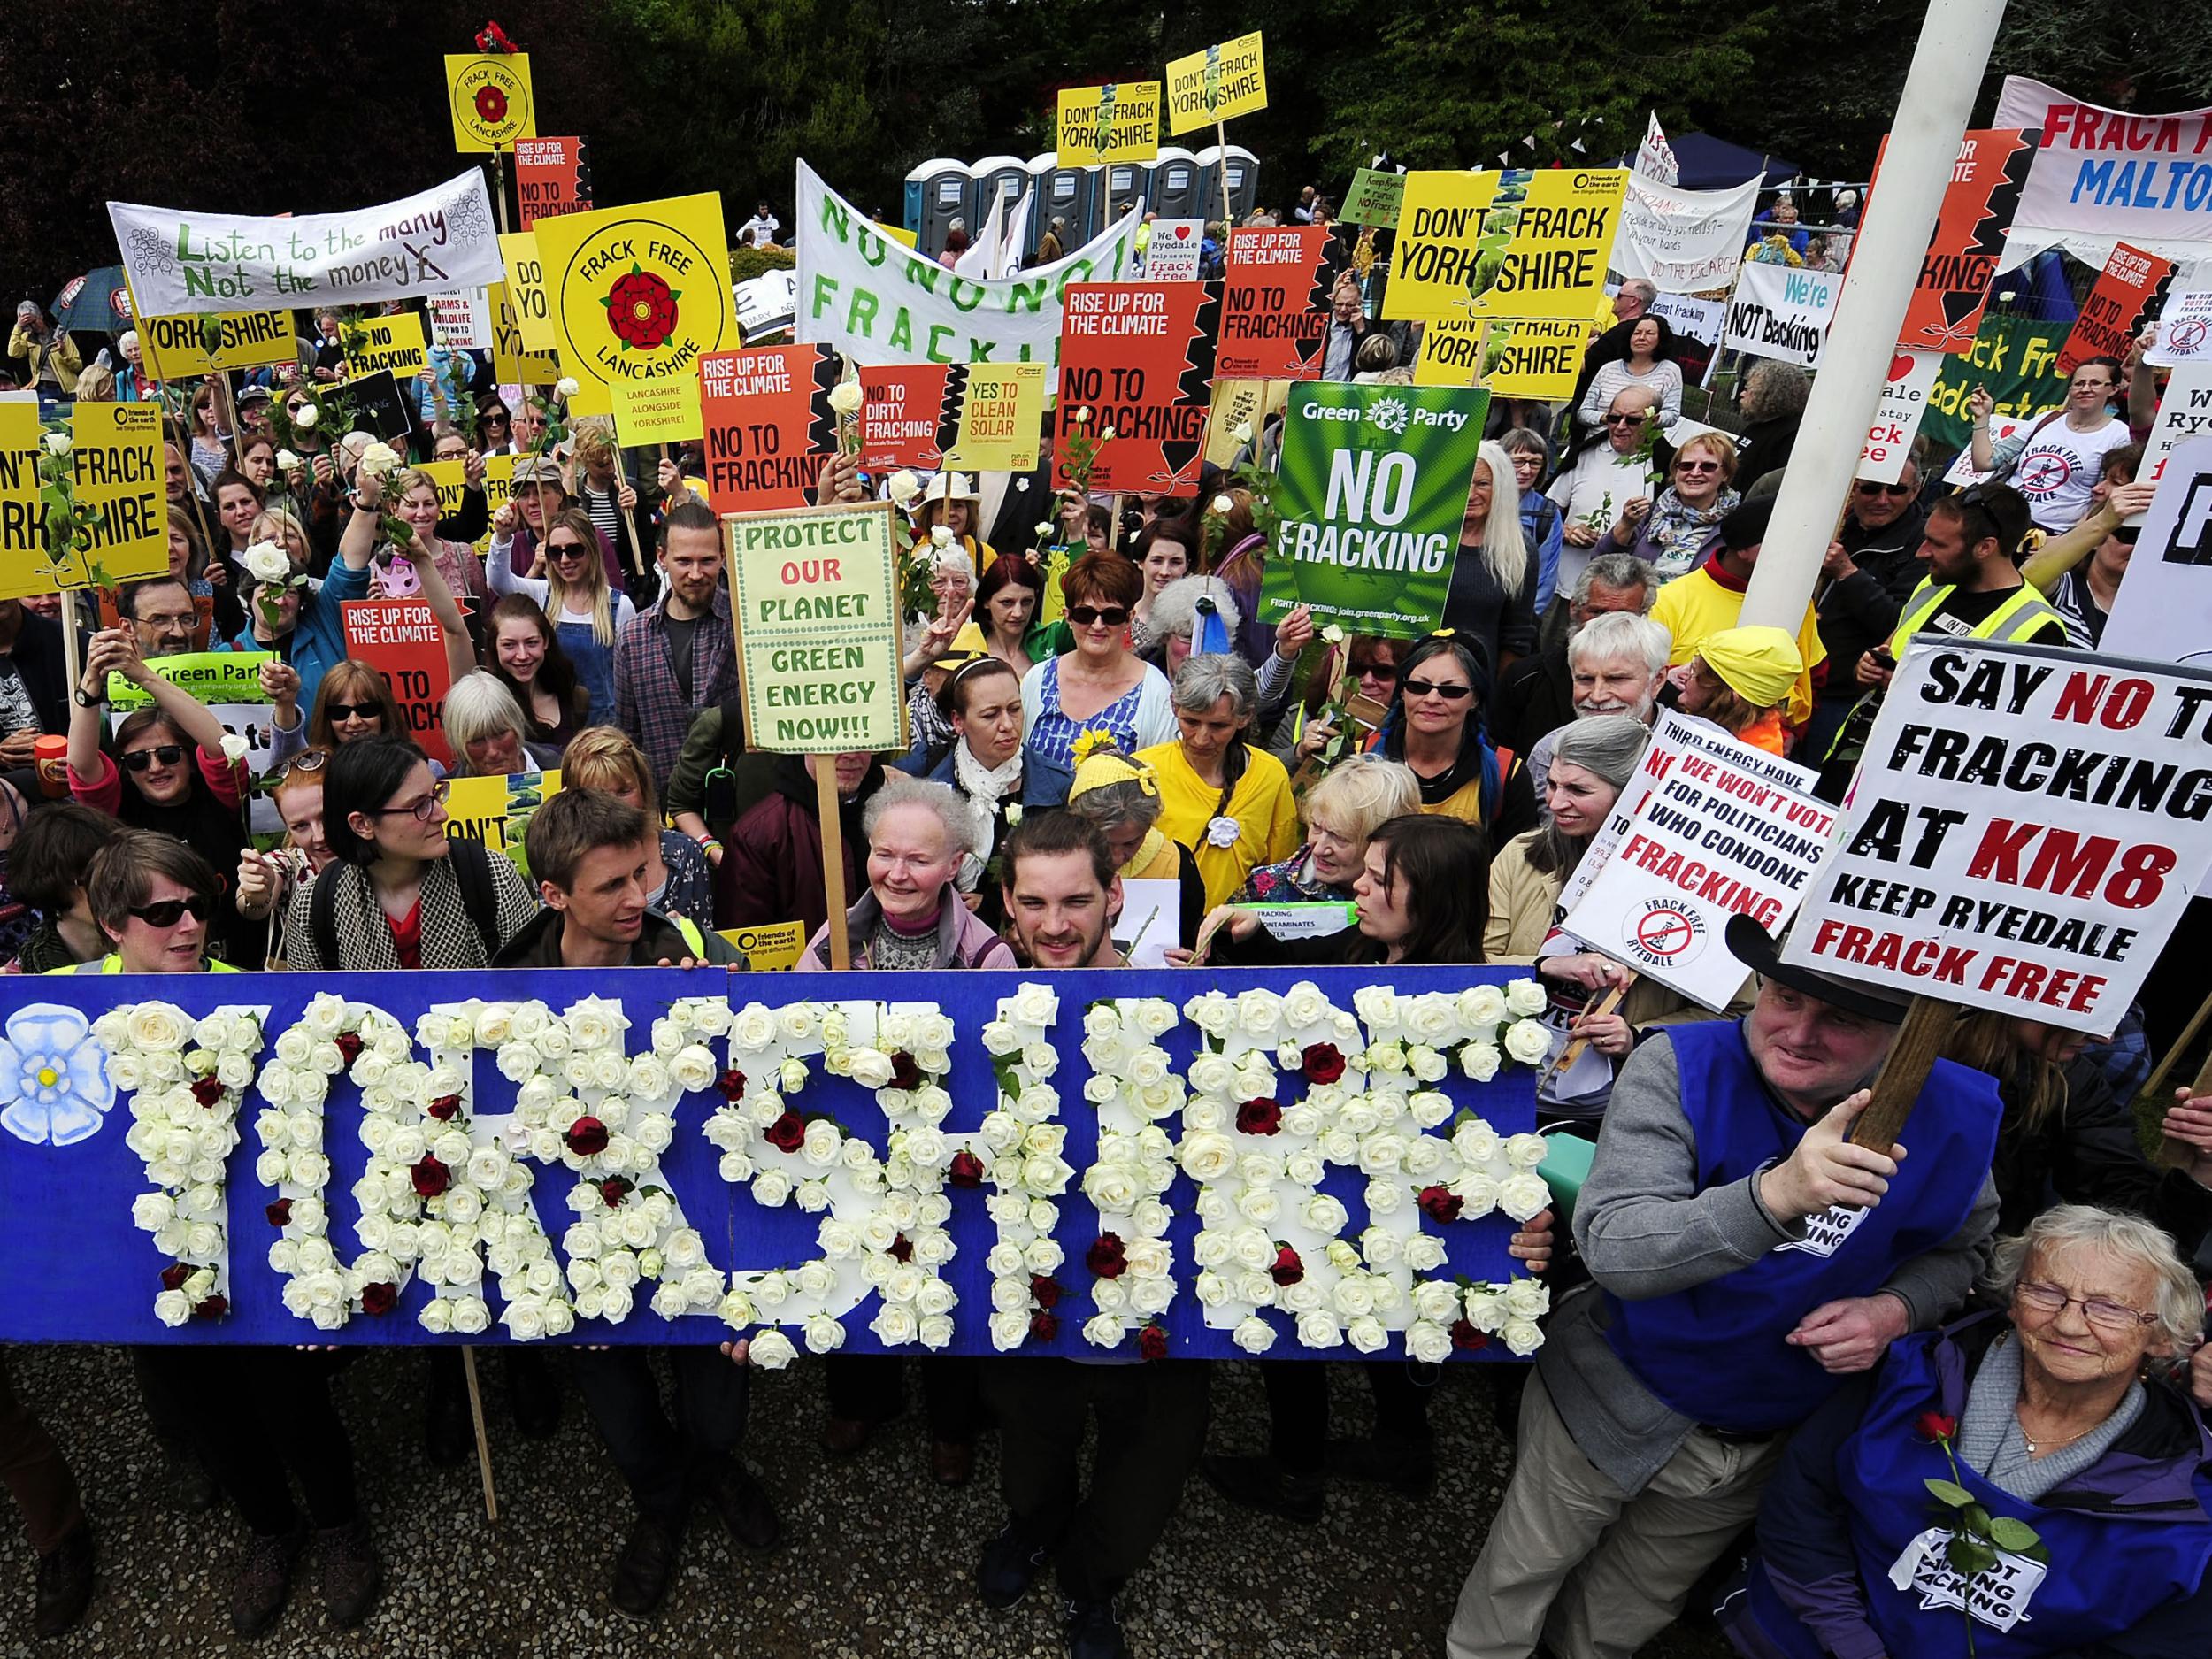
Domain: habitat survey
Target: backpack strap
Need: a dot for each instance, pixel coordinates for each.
(473, 869)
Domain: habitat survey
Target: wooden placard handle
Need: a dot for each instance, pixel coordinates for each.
(833, 858)
(1920, 1040)
(1608, 1003)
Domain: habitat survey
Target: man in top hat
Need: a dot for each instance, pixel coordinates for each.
(1746, 1257)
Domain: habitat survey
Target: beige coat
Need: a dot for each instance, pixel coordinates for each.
(1521, 901)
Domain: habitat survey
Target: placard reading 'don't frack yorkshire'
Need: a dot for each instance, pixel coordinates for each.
(816, 603)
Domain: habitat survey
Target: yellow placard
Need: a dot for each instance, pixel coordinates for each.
(1239, 406)
(115, 451)
(490, 97)
(527, 289)
(638, 295)
(817, 604)
(1554, 263)
(452, 478)
(1439, 234)
(393, 342)
(1119, 121)
(496, 811)
(899, 233)
(769, 947)
(1001, 419)
(176, 348)
(656, 411)
(1538, 358)
(1215, 85)
(515, 364)
(1451, 352)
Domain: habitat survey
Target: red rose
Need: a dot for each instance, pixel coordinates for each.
(214, 1308)
(207, 1091)
(491, 105)
(641, 309)
(1933, 1426)
(431, 1178)
(379, 1298)
(788, 1133)
(172, 1277)
(1045, 1290)
(349, 1045)
(906, 1073)
(1106, 1257)
(732, 1084)
(1259, 1117)
(1323, 1063)
(1466, 1339)
(1288, 1270)
(1441, 1203)
(279, 1213)
(614, 1189)
(444, 1108)
(901, 1250)
(966, 1170)
(1152, 1342)
(586, 1137)
(1043, 1326)
(494, 39)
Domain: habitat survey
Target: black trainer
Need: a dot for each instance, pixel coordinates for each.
(1009, 1566)
(744, 1507)
(1093, 1630)
(1261, 1483)
(65, 1582)
(642, 1571)
(264, 1583)
(351, 1571)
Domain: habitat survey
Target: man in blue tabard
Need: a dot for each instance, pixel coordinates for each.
(1745, 1258)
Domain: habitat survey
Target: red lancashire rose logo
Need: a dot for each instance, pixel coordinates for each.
(1323, 1063)
(379, 1298)
(586, 1137)
(788, 1133)
(641, 309)
(491, 105)
(431, 1178)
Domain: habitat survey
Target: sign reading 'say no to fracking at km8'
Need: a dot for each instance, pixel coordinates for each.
(818, 614)
(1374, 492)
(2027, 826)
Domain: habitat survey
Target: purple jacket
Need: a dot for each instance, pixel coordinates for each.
(963, 940)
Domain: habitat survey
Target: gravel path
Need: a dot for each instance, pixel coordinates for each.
(1376, 1580)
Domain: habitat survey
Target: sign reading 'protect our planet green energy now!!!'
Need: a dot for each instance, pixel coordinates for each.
(1374, 492)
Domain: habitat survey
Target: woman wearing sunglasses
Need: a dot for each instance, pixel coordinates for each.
(353, 703)
(1676, 533)
(1435, 726)
(1102, 685)
(573, 591)
(169, 772)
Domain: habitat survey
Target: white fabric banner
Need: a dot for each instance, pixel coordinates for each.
(1780, 312)
(431, 243)
(879, 303)
(2103, 176)
(1684, 242)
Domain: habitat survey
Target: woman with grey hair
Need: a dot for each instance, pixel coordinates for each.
(1773, 403)
(1591, 765)
(2025, 1482)
(1191, 615)
(484, 728)
(1228, 803)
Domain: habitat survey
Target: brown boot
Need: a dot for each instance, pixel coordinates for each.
(351, 1571)
(264, 1580)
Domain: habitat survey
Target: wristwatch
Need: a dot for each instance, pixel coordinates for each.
(85, 699)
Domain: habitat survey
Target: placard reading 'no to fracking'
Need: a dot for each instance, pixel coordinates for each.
(2026, 828)
(818, 623)
(548, 179)
(1952, 290)
(1135, 360)
(1274, 304)
(769, 424)
(2127, 291)
(392, 342)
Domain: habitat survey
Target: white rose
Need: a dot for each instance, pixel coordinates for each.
(1522, 1194)
(1528, 1041)
(824, 1334)
(1319, 1330)
(1103, 1330)
(1482, 1007)
(772, 1350)
(471, 1317)
(1034, 1005)
(845, 398)
(770, 1188)
(565, 387)
(1525, 1151)
(1367, 1335)
(1524, 1337)
(1428, 1343)
(1423, 1253)
(1480, 1060)
(1207, 1157)
(155, 1025)
(1254, 1336)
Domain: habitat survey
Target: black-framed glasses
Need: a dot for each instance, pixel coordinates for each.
(2101, 1311)
(1866, 486)
(422, 810)
(1092, 615)
(339, 712)
(140, 759)
(1435, 688)
(1624, 420)
(169, 912)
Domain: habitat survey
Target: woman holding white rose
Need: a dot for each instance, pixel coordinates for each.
(1422, 899)
(912, 916)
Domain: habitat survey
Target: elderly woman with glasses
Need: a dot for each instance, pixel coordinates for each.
(1675, 532)
(1102, 685)
(2022, 1483)
(1227, 801)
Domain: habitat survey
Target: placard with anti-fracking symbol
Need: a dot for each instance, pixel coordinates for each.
(489, 96)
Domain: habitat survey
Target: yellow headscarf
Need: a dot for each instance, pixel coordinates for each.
(1759, 665)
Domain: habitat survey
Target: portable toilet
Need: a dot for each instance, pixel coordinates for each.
(1244, 182)
(996, 176)
(1177, 190)
(937, 193)
(1068, 193)
(1121, 186)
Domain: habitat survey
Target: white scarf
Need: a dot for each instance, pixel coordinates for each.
(984, 788)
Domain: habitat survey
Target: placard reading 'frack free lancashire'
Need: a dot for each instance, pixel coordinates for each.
(817, 623)
(1138, 1164)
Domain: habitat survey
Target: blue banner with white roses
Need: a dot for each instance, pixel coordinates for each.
(1141, 1163)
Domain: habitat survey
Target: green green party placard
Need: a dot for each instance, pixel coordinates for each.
(1373, 489)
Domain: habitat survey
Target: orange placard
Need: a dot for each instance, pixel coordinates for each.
(770, 427)
(552, 178)
(1136, 360)
(1274, 304)
(910, 415)
(2127, 290)
(400, 639)
(1952, 289)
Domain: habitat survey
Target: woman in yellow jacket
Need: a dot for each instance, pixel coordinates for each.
(1228, 803)
(1591, 764)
